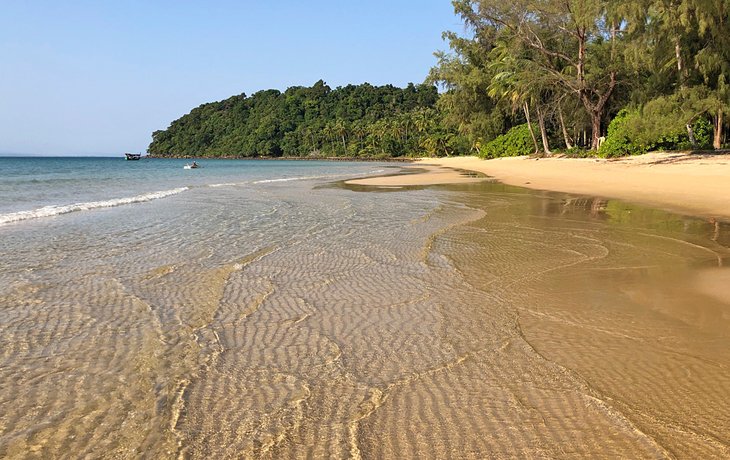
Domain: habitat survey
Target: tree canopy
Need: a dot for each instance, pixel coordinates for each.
(525, 76)
(575, 64)
(354, 120)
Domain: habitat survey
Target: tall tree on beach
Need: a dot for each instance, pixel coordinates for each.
(465, 75)
(712, 60)
(690, 53)
(507, 85)
(575, 44)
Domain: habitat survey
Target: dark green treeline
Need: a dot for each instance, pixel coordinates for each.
(354, 121)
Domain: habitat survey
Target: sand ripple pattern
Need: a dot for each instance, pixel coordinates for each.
(288, 322)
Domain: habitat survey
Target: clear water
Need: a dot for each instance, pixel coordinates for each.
(264, 311)
(29, 184)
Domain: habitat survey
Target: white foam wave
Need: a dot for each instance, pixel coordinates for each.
(289, 179)
(328, 176)
(225, 184)
(48, 211)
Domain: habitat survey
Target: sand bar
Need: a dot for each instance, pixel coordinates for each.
(423, 174)
(689, 183)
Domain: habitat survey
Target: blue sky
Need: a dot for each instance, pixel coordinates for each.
(97, 77)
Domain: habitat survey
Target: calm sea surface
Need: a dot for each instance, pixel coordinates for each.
(262, 309)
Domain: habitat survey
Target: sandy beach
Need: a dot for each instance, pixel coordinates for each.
(687, 183)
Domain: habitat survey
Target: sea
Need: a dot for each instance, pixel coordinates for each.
(266, 309)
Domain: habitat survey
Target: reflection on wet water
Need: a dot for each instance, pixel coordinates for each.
(289, 321)
(631, 303)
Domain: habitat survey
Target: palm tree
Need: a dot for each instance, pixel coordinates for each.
(329, 133)
(340, 129)
(518, 86)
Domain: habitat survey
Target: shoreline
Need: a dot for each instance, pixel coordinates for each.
(694, 184)
(455, 313)
(260, 158)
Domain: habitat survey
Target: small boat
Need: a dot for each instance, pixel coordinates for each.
(133, 156)
(192, 165)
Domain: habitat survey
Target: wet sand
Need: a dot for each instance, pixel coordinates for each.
(694, 184)
(421, 175)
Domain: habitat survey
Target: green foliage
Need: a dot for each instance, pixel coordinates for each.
(634, 132)
(515, 142)
(577, 152)
(621, 139)
(703, 131)
(567, 66)
(679, 138)
(352, 121)
(668, 60)
(466, 76)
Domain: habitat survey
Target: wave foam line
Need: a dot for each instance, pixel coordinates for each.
(288, 179)
(327, 176)
(49, 211)
(294, 178)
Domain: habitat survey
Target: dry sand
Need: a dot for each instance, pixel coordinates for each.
(689, 183)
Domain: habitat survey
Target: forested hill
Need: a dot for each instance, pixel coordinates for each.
(355, 120)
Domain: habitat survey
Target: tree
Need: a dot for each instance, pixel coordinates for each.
(465, 75)
(574, 44)
(304, 121)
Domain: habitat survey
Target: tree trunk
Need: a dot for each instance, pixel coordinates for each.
(717, 140)
(681, 68)
(596, 110)
(526, 108)
(678, 56)
(691, 135)
(543, 133)
(681, 72)
(562, 127)
(595, 129)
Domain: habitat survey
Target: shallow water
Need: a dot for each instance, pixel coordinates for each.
(288, 319)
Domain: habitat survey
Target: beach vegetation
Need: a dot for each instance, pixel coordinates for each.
(357, 121)
(621, 139)
(641, 75)
(655, 127)
(609, 78)
(515, 142)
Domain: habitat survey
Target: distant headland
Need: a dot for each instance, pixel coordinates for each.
(354, 121)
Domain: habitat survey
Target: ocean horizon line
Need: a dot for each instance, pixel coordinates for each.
(45, 155)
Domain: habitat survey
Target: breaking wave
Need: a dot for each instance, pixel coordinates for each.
(54, 210)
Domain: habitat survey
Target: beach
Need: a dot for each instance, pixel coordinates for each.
(273, 310)
(696, 184)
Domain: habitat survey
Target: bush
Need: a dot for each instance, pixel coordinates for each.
(578, 152)
(679, 139)
(621, 139)
(703, 133)
(515, 142)
(659, 125)
(664, 120)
